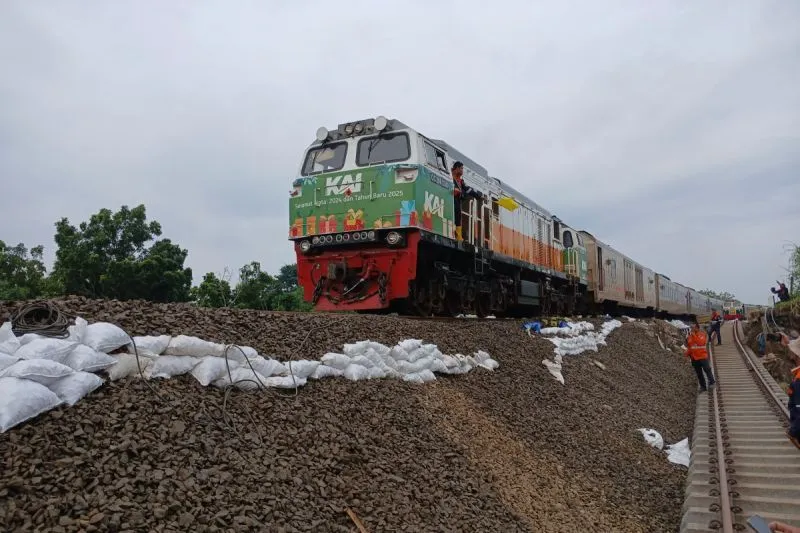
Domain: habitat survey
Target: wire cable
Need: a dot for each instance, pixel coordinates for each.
(43, 318)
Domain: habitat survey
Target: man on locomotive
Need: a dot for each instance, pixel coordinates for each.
(696, 350)
(461, 191)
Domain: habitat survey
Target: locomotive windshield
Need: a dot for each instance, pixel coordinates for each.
(383, 149)
(325, 159)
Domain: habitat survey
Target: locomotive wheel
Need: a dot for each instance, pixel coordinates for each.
(483, 305)
(422, 302)
(453, 304)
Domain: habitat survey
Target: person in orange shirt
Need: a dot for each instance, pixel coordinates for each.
(697, 351)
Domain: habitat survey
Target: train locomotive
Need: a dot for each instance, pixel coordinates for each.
(372, 222)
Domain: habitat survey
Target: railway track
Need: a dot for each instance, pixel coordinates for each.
(742, 462)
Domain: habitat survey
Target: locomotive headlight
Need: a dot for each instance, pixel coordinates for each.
(329, 238)
(363, 235)
(359, 127)
(339, 238)
(371, 235)
(315, 240)
(348, 129)
(392, 238)
(356, 236)
(305, 246)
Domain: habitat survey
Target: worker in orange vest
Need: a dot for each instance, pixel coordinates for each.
(697, 351)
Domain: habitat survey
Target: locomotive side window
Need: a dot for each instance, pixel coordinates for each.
(435, 157)
(325, 158)
(568, 239)
(387, 148)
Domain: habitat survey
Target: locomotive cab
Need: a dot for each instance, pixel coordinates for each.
(363, 193)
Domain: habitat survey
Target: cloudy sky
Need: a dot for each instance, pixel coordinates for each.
(670, 130)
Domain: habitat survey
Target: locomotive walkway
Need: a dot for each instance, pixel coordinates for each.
(745, 416)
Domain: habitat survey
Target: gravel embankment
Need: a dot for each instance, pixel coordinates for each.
(510, 450)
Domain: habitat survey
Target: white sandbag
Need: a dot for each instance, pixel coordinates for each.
(423, 376)
(338, 361)
(127, 366)
(680, 453)
(356, 372)
(41, 371)
(7, 360)
(47, 348)
(23, 399)
(356, 348)
(9, 343)
(242, 378)
(30, 337)
(152, 344)
(409, 345)
(105, 337)
(78, 331)
(72, 388)
(363, 361)
(653, 438)
(301, 369)
(323, 371)
(437, 365)
(376, 372)
(239, 353)
(210, 369)
(85, 359)
(267, 367)
(285, 382)
(194, 346)
(489, 364)
(168, 366)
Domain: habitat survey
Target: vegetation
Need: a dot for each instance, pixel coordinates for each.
(725, 296)
(122, 255)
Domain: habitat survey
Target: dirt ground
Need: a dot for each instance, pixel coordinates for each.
(508, 450)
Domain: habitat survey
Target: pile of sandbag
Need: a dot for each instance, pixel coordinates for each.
(574, 339)
(40, 373)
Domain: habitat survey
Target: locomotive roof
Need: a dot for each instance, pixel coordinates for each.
(481, 171)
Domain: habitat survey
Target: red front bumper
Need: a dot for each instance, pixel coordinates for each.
(381, 275)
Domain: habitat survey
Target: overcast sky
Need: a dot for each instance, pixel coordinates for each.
(670, 130)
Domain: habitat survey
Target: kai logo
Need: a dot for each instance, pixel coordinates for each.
(341, 184)
(434, 204)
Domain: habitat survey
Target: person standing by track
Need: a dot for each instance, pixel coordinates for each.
(697, 351)
(793, 392)
(716, 326)
(461, 191)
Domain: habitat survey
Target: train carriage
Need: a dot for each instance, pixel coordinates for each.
(617, 283)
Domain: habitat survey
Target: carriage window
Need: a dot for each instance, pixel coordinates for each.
(568, 239)
(383, 149)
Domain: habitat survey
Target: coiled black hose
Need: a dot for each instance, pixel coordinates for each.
(42, 318)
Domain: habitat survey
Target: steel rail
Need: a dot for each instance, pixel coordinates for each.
(762, 382)
(725, 511)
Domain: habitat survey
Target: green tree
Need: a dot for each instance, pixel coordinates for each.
(109, 257)
(213, 291)
(23, 274)
(718, 295)
(256, 288)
